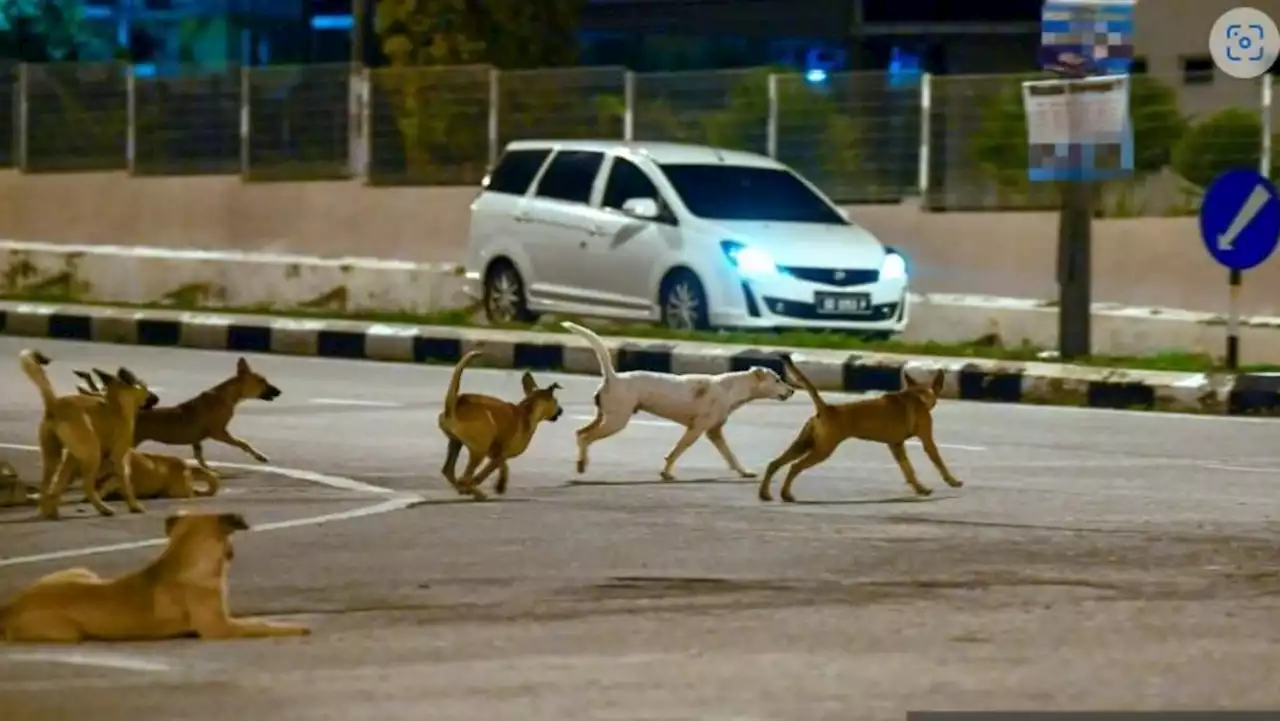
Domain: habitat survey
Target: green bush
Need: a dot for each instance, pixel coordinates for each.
(1226, 140)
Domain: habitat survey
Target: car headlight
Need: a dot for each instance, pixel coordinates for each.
(893, 266)
(748, 260)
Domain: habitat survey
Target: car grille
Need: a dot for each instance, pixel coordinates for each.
(834, 276)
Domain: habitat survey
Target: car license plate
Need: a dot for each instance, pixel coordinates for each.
(842, 303)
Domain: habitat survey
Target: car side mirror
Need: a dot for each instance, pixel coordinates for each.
(844, 214)
(646, 208)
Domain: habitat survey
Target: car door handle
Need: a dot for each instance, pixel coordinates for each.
(596, 231)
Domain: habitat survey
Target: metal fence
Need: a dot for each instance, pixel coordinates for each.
(957, 142)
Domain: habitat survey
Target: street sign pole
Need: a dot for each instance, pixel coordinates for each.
(1240, 226)
(1079, 134)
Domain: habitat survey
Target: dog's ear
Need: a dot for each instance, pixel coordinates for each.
(907, 381)
(104, 376)
(87, 378)
(528, 383)
(171, 522)
(127, 376)
(939, 378)
(554, 387)
(232, 522)
(242, 366)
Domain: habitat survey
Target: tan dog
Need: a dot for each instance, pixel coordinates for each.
(491, 428)
(890, 419)
(204, 417)
(181, 593)
(156, 475)
(78, 432)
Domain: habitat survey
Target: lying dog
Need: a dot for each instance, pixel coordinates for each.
(700, 403)
(890, 419)
(156, 475)
(204, 417)
(491, 428)
(181, 593)
(79, 432)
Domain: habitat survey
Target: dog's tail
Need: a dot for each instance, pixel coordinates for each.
(794, 371)
(211, 482)
(607, 371)
(451, 396)
(33, 363)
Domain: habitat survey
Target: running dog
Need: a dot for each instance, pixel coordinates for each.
(79, 432)
(491, 428)
(180, 594)
(156, 475)
(701, 403)
(890, 419)
(204, 417)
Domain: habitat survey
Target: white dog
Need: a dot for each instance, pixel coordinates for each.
(699, 402)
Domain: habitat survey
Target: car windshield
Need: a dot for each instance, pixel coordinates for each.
(737, 192)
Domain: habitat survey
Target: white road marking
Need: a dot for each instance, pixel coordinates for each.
(354, 402)
(1243, 469)
(100, 660)
(396, 500)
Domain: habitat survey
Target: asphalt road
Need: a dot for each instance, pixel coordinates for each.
(1093, 560)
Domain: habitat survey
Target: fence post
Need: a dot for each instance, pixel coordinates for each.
(1264, 163)
(926, 131)
(629, 106)
(355, 119)
(246, 74)
(494, 100)
(771, 122)
(366, 122)
(131, 117)
(24, 116)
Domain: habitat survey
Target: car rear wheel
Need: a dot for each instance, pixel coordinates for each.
(684, 303)
(504, 296)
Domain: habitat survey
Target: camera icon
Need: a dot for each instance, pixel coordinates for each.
(1246, 43)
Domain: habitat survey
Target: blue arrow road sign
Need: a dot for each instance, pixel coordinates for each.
(1240, 219)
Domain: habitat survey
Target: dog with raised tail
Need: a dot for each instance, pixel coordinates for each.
(702, 403)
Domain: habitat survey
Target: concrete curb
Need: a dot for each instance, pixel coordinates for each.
(966, 378)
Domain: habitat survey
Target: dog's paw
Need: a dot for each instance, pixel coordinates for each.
(765, 497)
(261, 458)
(788, 498)
(923, 491)
(667, 476)
(954, 482)
(137, 509)
(582, 467)
(748, 474)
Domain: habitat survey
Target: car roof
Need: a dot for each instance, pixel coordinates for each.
(659, 152)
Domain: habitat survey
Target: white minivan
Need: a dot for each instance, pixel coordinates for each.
(691, 236)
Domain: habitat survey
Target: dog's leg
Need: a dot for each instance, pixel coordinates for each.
(451, 462)
(931, 450)
(62, 478)
(50, 458)
(691, 435)
(504, 474)
(469, 484)
(125, 463)
(197, 450)
(716, 435)
(496, 463)
(224, 436)
(600, 428)
(908, 473)
(800, 446)
(89, 480)
(817, 454)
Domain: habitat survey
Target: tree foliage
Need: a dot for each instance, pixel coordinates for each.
(999, 147)
(34, 31)
(1227, 140)
(440, 112)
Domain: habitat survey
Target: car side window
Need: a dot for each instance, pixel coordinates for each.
(570, 176)
(627, 181)
(515, 170)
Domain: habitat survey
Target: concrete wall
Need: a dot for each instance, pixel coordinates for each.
(1149, 261)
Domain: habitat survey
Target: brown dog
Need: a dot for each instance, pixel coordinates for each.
(156, 475)
(204, 417)
(491, 428)
(181, 593)
(79, 432)
(890, 419)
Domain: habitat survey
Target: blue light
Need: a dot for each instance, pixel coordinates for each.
(815, 76)
(332, 22)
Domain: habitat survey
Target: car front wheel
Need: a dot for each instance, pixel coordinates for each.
(684, 303)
